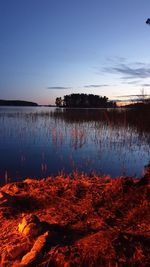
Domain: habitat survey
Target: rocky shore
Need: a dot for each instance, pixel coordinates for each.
(70, 221)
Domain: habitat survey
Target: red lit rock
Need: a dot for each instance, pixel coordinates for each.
(30, 225)
(36, 250)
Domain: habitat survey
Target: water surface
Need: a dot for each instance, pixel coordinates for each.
(40, 141)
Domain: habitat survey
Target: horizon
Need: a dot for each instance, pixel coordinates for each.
(52, 48)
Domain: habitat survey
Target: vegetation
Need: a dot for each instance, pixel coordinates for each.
(70, 132)
(84, 101)
(135, 116)
(144, 104)
(75, 221)
(17, 103)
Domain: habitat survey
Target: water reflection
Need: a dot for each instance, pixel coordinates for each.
(37, 142)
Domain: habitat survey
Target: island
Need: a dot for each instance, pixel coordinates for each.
(84, 101)
(17, 103)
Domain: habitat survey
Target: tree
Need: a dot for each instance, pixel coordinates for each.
(85, 101)
(58, 102)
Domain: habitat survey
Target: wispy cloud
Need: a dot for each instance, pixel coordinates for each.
(135, 70)
(131, 82)
(146, 84)
(127, 96)
(116, 59)
(57, 88)
(137, 82)
(131, 73)
(133, 100)
(95, 85)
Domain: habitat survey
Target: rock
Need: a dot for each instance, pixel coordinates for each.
(5, 199)
(36, 250)
(128, 181)
(29, 258)
(16, 251)
(16, 264)
(3, 195)
(15, 188)
(30, 225)
(31, 230)
(40, 242)
(12, 253)
(29, 181)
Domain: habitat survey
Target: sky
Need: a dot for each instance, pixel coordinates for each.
(50, 48)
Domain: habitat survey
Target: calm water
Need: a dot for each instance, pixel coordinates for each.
(39, 141)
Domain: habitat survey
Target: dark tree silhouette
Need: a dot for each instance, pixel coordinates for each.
(85, 101)
(58, 102)
(148, 21)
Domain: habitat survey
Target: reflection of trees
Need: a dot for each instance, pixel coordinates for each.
(57, 137)
(137, 118)
(78, 137)
(107, 130)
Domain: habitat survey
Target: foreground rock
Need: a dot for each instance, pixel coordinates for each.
(30, 225)
(36, 251)
(75, 221)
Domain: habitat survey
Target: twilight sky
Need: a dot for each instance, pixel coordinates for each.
(50, 48)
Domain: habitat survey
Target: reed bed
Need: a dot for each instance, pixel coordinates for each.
(47, 141)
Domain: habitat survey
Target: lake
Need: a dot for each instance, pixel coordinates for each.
(38, 142)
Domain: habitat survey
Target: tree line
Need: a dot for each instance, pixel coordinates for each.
(84, 101)
(16, 103)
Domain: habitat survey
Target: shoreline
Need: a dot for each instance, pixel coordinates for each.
(75, 221)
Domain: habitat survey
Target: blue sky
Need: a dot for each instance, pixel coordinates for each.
(50, 48)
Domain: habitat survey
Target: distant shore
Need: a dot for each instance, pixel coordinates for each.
(17, 103)
(75, 221)
(23, 103)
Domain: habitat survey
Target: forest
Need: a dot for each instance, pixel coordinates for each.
(84, 101)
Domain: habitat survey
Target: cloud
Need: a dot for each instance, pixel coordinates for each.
(95, 85)
(137, 82)
(124, 100)
(116, 58)
(131, 82)
(131, 73)
(122, 96)
(134, 70)
(57, 88)
(146, 84)
(130, 100)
